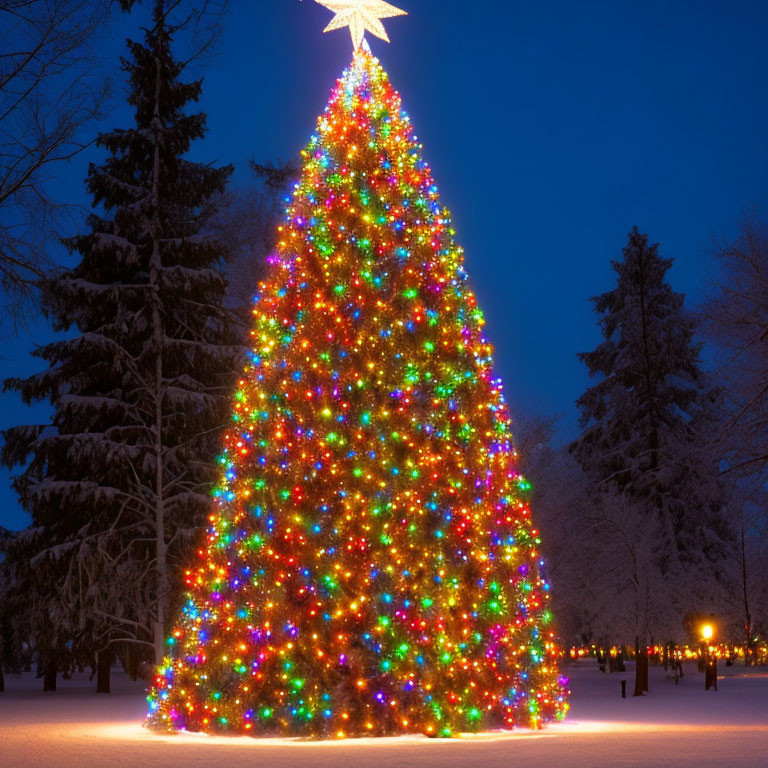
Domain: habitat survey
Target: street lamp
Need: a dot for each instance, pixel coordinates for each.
(710, 658)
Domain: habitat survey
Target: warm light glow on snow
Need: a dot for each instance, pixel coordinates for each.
(131, 732)
(75, 727)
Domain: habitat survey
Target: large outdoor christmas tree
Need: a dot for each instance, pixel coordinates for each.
(371, 566)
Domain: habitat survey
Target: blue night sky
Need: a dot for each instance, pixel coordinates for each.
(552, 128)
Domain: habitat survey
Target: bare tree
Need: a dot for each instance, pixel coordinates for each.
(561, 507)
(50, 89)
(750, 561)
(246, 222)
(736, 319)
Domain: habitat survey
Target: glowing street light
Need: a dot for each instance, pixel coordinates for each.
(709, 657)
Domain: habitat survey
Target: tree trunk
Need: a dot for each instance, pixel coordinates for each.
(645, 670)
(747, 612)
(2, 676)
(641, 668)
(49, 678)
(103, 669)
(161, 549)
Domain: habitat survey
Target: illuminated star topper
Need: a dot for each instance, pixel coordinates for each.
(359, 16)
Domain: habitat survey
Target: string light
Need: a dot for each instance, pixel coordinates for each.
(371, 566)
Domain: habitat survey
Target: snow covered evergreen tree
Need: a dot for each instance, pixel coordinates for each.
(118, 484)
(647, 448)
(647, 422)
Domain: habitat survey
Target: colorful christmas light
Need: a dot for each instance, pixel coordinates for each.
(371, 566)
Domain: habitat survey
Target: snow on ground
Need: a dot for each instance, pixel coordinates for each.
(681, 726)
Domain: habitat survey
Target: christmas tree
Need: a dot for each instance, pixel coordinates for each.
(371, 566)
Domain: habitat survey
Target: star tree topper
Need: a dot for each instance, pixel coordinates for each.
(359, 16)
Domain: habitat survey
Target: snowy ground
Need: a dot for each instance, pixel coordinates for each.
(672, 726)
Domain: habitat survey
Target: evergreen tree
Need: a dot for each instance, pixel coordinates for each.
(372, 566)
(648, 421)
(647, 447)
(117, 484)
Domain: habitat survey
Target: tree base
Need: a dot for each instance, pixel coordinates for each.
(103, 669)
(49, 677)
